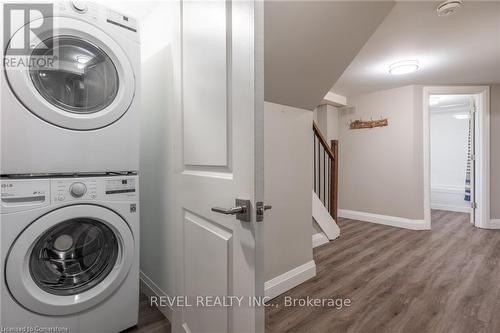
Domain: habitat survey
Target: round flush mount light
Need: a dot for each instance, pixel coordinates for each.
(448, 7)
(404, 67)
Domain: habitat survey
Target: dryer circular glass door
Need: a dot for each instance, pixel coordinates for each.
(69, 260)
(84, 80)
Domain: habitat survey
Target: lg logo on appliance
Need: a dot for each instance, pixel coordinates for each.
(29, 20)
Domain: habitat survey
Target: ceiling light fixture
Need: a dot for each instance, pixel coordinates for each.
(448, 7)
(404, 67)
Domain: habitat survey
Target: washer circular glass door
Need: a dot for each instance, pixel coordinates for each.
(69, 259)
(78, 76)
(73, 256)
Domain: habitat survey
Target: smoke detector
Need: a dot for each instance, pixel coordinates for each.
(449, 7)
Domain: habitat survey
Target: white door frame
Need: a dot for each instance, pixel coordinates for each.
(482, 143)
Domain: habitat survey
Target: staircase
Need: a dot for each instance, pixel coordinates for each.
(325, 188)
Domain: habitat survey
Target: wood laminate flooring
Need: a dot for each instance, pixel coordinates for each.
(151, 320)
(443, 280)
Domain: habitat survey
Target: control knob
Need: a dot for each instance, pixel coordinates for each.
(79, 6)
(78, 189)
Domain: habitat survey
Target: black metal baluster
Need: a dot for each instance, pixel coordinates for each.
(314, 148)
(324, 173)
(329, 182)
(319, 172)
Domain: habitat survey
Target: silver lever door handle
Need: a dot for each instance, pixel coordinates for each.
(229, 211)
(241, 210)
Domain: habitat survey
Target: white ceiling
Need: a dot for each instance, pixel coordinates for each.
(308, 44)
(460, 49)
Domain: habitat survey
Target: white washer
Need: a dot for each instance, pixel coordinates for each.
(70, 253)
(82, 115)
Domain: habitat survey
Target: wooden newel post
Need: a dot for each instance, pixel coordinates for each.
(334, 171)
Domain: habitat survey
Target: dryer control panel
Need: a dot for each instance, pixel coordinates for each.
(97, 14)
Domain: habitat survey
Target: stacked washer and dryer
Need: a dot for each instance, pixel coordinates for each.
(69, 187)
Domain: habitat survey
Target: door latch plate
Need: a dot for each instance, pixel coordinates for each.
(260, 209)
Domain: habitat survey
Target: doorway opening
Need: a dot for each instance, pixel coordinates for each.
(456, 152)
(452, 153)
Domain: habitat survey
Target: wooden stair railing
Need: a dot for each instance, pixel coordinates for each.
(326, 171)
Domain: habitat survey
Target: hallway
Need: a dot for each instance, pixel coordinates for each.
(443, 280)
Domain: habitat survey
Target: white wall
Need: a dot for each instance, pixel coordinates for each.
(449, 145)
(288, 185)
(351, 148)
(333, 126)
(327, 118)
(160, 58)
(380, 169)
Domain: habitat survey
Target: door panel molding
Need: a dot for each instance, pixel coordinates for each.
(206, 45)
(208, 270)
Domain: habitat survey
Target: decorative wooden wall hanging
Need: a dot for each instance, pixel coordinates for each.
(359, 124)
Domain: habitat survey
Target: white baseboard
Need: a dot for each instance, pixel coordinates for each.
(493, 224)
(286, 281)
(450, 198)
(393, 221)
(319, 239)
(450, 208)
(149, 288)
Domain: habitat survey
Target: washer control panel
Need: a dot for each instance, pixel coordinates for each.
(69, 189)
(120, 185)
(112, 188)
(19, 194)
(23, 194)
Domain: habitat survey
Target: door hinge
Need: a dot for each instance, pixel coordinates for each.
(473, 157)
(473, 205)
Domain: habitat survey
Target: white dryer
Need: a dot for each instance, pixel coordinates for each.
(81, 114)
(70, 254)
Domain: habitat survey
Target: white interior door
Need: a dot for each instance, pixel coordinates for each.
(219, 135)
